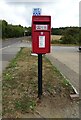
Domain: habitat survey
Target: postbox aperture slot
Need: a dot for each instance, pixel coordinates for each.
(41, 22)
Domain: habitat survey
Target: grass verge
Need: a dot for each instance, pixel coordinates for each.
(20, 84)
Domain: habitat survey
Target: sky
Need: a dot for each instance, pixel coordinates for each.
(63, 12)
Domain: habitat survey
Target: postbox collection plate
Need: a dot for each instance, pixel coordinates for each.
(41, 41)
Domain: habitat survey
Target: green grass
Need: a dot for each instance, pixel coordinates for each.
(13, 64)
(8, 76)
(25, 104)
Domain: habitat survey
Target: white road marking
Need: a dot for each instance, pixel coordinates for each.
(70, 83)
(5, 47)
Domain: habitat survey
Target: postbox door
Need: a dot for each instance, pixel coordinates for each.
(41, 42)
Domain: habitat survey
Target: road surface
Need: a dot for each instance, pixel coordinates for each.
(66, 59)
(9, 50)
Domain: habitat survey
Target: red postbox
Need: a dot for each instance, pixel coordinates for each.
(41, 34)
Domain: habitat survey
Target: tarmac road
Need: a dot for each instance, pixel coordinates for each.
(66, 59)
(11, 41)
(9, 48)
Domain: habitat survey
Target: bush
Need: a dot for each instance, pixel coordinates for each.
(71, 36)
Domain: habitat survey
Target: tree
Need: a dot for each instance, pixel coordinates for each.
(0, 28)
(9, 30)
(4, 29)
(80, 36)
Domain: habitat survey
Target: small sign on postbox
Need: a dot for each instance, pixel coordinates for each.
(41, 34)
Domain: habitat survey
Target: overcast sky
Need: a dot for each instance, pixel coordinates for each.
(63, 12)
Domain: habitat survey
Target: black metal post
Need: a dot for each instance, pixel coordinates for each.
(39, 75)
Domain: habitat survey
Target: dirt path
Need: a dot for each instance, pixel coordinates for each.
(55, 107)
